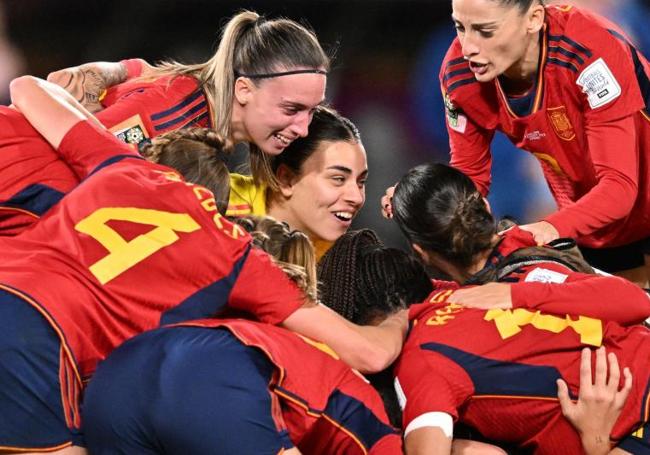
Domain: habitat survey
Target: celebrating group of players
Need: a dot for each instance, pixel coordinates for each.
(154, 302)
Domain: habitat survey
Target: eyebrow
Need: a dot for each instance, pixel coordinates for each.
(475, 26)
(347, 170)
(298, 105)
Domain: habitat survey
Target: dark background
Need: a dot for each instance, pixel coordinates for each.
(384, 78)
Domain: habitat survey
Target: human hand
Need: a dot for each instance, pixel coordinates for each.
(484, 297)
(543, 232)
(386, 203)
(599, 401)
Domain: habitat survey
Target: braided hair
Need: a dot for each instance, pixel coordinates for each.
(438, 208)
(198, 155)
(363, 280)
(291, 250)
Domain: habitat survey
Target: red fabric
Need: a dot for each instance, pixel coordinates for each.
(524, 404)
(182, 265)
(133, 67)
(26, 159)
(308, 378)
(160, 105)
(595, 160)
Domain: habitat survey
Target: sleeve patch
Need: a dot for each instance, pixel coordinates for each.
(599, 84)
(541, 275)
(455, 118)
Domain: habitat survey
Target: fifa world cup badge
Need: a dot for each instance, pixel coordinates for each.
(455, 119)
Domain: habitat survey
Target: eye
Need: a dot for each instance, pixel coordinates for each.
(338, 179)
(459, 28)
(290, 110)
(486, 33)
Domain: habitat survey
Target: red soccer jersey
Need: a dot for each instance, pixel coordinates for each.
(34, 178)
(496, 370)
(134, 247)
(326, 407)
(587, 124)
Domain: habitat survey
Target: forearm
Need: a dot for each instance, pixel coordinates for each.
(592, 296)
(365, 348)
(48, 108)
(613, 152)
(427, 441)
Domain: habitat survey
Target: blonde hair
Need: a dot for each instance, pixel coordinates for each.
(291, 250)
(250, 45)
(197, 154)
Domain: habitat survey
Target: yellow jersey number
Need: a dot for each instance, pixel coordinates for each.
(509, 323)
(123, 255)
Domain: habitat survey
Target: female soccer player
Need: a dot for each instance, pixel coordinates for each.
(321, 181)
(499, 361)
(570, 88)
(133, 247)
(260, 87)
(236, 386)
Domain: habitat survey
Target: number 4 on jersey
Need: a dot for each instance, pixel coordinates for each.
(122, 254)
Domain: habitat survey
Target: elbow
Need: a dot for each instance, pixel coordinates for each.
(20, 87)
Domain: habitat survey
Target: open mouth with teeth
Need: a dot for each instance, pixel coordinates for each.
(282, 139)
(344, 216)
(478, 68)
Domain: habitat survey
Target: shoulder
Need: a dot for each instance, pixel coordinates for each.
(583, 36)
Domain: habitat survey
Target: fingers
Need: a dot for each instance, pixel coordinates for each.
(614, 372)
(585, 370)
(621, 396)
(563, 396)
(600, 371)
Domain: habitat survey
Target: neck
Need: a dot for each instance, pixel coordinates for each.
(460, 275)
(521, 76)
(238, 132)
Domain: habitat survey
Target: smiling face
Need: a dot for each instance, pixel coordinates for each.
(275, 111)
(498, 38)
(328, 193)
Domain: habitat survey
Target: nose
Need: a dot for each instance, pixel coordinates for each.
(301, 124)
(355, 194)
(468, 45)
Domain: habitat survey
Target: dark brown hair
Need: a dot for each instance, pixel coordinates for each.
(438, 208)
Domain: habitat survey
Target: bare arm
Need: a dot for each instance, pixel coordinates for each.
(427, 441)
(366, 348)
(87, 82)
(49, 108)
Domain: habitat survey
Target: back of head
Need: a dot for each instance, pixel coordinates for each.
(197, 154)
(363, 280)
(291, 250)
(327, 125)
(438, 208)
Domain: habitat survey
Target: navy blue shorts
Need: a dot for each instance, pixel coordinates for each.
(37, 388)
(184, 390)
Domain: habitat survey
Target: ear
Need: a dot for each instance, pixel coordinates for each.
(286, 178)
(536, 15)
(487, 204)
(244, 88)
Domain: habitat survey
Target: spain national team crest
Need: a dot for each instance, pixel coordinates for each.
(561, 123)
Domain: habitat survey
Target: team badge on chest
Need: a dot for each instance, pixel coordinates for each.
(560, 122)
